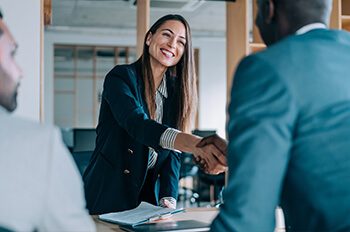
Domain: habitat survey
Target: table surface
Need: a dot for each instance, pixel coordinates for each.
(200, 214)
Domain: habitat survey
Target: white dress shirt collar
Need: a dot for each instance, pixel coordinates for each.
(310, 27)
(162, 89)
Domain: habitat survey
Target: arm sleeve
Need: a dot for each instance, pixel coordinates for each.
(169, 176)
(167, 140)
(262, 114)
(64, 207)
(121, 95)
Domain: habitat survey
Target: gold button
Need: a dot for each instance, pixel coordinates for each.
(130, 151)
(126, 171)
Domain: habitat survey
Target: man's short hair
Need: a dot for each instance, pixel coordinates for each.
(301, 11)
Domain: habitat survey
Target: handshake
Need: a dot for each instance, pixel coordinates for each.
(210, 154)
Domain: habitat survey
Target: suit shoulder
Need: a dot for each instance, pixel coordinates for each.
(280, 55)
(27, 140)
(31, 128)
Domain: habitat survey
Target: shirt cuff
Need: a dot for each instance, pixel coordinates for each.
(167, 139)
(171, 202)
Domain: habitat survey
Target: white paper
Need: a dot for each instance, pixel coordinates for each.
(142, 213)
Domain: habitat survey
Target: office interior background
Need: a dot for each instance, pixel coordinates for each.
(64, 62)
(64, 65)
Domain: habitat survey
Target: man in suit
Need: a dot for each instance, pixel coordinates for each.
(289, 125)
(40, 187)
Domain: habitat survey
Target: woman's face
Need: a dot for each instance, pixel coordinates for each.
(167, 44)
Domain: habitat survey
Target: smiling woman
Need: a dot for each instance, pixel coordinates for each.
(166, 42)
(144, 106)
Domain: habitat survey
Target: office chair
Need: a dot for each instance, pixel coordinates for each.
(215, 183)
(81, 143)
(188, 169)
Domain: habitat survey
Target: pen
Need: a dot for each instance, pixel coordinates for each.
(165, 216)
(159, 217)
(155, 218)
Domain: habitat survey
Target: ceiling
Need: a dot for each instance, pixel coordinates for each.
(204, 17)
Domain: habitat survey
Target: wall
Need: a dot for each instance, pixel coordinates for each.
(23, 19)
(212, 83)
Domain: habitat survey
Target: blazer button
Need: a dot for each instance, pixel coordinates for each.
(126, 171)
(130, 151)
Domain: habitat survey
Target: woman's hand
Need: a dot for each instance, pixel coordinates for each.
(211, 151)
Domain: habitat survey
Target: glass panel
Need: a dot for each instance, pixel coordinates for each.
(132, 55)
(77, 94)
(85, 99)
(85, 121)
(63, 61)
(122, 53)
(64, 84)
(85, 61)
(64, 110)
(105, 60)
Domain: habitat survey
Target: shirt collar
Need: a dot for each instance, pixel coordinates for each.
(162, 87)
(310, 27)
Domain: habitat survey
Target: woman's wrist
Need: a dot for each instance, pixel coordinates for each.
(186, 142)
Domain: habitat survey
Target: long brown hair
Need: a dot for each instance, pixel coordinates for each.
(184, 70)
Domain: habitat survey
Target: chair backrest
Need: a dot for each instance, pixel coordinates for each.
(188, 167)
(84, 139)
(3, 229)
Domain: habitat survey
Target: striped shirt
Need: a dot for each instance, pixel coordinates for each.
(167, 139)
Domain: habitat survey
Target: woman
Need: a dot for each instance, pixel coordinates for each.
(136, 157)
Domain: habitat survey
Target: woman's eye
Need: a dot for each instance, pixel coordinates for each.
(166, 34)
(182, 43)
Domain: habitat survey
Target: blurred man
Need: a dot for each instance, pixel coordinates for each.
(289, 124)
(40, 187)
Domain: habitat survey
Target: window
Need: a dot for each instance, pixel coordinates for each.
(79, 73)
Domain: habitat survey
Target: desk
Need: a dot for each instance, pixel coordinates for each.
(199, 214)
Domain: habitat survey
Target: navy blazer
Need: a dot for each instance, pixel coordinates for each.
(115, 178)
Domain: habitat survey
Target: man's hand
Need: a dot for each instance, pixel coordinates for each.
(211, 154)
(219, 143)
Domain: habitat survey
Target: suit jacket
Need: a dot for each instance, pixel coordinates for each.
(40, 186)
(289, 132)
(115, 179)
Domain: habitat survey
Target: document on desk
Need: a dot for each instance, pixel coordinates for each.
(144, 213)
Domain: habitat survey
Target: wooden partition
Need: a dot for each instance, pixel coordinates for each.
(237, 37)
(346, 15)
(143, 15)
(336, 21)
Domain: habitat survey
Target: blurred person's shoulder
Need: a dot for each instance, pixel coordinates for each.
(19, 125)
(27, 138)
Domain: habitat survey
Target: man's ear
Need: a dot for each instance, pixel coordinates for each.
(268, 11)
(148, 40)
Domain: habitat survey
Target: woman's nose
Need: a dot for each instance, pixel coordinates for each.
(172, 43)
